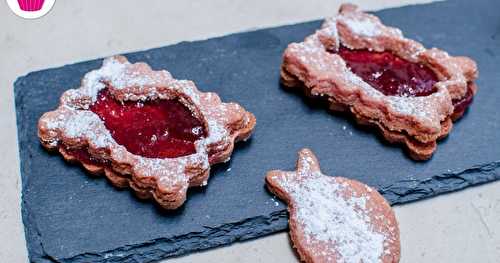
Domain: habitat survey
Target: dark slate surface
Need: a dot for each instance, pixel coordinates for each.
(72, 217)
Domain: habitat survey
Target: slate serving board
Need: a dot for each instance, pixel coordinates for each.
(72, 217)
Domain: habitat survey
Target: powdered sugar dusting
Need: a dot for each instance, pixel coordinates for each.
(188, 88)
(216, 131)
(418, 107)
(74, 125)
(362, 26)
(329, 29)
(93, 81)
(311, 66)
(326, 216)
(318, 64)
(330, 26)
(169, 173)
(360, 83)
(121, 75)
(311, 53)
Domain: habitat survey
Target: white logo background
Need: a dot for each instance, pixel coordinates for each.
(14, 6)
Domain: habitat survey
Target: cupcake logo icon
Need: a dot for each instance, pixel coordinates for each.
(30, 9)
(30, 5)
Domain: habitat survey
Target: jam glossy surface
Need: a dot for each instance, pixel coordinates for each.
(390, 74)
(153, 129)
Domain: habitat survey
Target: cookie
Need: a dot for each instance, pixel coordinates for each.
(144, 129)
(335, 219)
(360, 66)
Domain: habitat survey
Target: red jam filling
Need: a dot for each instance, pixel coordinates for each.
(464, 102)
(83, 156)
(153, 129)
(390, 74)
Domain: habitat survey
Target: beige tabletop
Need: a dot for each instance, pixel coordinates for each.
(458, 227)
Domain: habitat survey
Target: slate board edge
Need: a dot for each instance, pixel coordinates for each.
(398, 193)
(256, 226)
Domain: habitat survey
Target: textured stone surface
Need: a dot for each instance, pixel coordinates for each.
(72, 217)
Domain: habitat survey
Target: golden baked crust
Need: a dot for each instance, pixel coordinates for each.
(311, 66)
(335, 219)
(72, 126)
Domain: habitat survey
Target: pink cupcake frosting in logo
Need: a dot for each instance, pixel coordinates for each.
(31, 5)
(30, 9)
